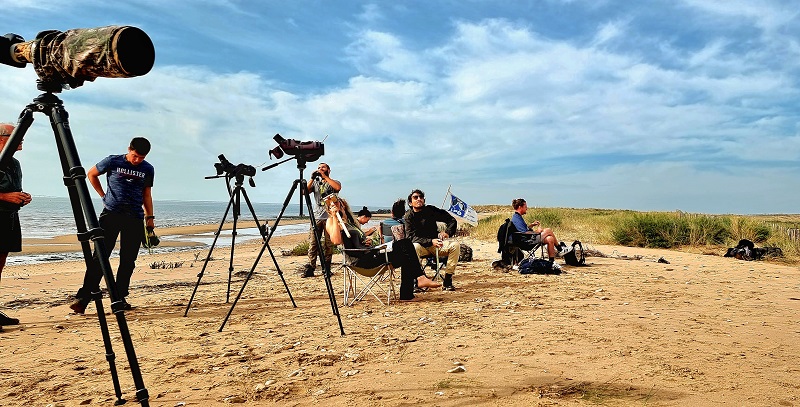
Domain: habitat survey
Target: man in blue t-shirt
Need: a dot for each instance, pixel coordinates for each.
(538, 234)
(126, 201)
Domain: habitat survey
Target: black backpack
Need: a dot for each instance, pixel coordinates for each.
(572, 257)
(538, 266)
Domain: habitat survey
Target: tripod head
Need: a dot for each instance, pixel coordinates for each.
(233, 171)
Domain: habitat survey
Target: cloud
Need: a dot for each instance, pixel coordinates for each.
(629, 111)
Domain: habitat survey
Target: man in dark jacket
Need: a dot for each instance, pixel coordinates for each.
(422, 229)
(12, 198)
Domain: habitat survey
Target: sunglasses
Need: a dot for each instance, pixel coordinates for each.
(417, 197)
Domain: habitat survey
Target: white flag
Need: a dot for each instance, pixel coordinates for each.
(461, 210)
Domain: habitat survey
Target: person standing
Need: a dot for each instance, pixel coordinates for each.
(12, 198)
(423, 231)
(321, 185)
(126, 200)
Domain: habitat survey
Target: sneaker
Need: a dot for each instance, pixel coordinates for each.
(79, 306)
(6, 320)
(564, 250)
(127, 306)
(448, 287)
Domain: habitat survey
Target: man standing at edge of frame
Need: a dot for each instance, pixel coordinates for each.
(12, 198)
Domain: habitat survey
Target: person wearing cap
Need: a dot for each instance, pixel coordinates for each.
(126, 201)
(12, 198)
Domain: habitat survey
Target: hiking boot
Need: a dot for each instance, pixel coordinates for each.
(79, 306)
(306, 271)
(447, 283)
(6, 320)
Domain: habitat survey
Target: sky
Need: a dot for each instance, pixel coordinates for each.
(688, 105)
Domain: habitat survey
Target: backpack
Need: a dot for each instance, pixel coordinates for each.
(571, 258)
(465, 253)
(538, 266)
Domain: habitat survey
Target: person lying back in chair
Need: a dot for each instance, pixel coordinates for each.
(402, 254)
(535, 230)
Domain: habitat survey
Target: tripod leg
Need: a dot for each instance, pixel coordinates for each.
(208, 256)
(236, 197)
(326, 266)
(258, 258)
(266, 244)
(73, 170)
(110, 356)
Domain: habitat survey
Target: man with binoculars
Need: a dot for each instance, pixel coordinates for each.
(321, 185)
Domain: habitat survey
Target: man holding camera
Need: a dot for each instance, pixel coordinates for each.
(126, 201)
(12, 198)
(321, 185)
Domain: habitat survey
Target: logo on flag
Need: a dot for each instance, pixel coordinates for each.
(461, 210)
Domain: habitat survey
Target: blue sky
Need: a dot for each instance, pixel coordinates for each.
(685, 105)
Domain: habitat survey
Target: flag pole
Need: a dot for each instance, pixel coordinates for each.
(446, 194)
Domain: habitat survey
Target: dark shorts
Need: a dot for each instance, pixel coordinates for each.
(10, 233)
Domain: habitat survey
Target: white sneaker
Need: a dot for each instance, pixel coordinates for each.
(564, 250)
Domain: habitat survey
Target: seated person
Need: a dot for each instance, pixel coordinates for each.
(398, 211)
(536, 232)
(402, 252)
(422, 229)
(364, 216)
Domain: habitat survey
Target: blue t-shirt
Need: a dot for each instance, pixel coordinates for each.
(126, 183)
(519, 223)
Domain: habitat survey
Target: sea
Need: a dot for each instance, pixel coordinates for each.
(48, 217)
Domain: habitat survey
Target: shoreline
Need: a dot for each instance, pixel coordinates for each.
(177, 238)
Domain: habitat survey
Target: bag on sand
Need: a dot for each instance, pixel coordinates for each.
(538, 266)
(573, 258)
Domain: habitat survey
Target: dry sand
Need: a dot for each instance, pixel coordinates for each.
(700, 331)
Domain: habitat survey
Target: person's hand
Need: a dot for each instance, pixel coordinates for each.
(437, 243)
(443, 235)
(368, 242)
(18, 198)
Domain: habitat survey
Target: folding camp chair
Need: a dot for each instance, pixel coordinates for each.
(359, 282)
(436, 263)
(386, 231)
(514, 246)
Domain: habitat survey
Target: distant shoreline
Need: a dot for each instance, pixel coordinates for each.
(190, 237)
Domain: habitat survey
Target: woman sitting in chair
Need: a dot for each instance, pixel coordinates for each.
(402, 254)
(364, 216)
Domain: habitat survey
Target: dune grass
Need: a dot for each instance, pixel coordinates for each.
(667, 230)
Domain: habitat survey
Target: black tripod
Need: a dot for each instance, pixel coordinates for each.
(326, 267)
(85, 220)
(235, 203)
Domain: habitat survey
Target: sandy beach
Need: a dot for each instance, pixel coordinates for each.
(702, 330)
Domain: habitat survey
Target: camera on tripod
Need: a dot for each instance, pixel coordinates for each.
(306, 150)
(71, 57)
(225, 166)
